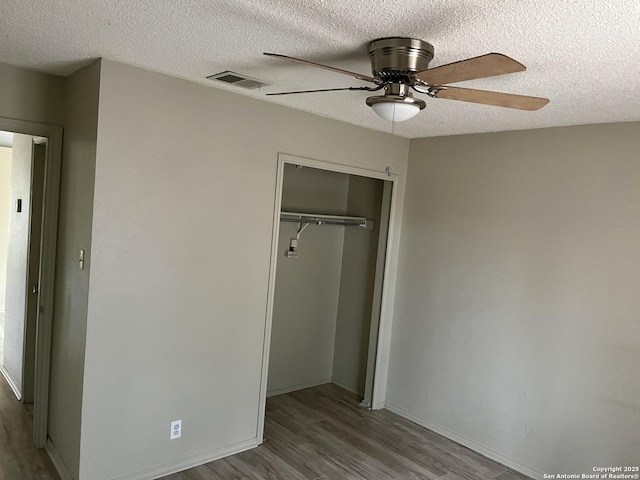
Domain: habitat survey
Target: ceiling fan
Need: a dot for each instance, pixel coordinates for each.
(400, 65)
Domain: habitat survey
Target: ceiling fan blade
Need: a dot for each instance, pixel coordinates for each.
(497, 99)
(366, 78)
(324, 90)
(484, 66)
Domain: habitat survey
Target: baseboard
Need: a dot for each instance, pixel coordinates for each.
(57, 461)
(347, 388)
(315, 383)
(299, 386)
(467, 442)
(12, 383)
(190, 462)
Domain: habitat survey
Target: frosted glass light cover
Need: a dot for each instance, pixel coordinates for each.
(396, 111)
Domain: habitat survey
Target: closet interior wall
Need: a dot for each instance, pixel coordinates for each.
(355, 303)
(323, 298)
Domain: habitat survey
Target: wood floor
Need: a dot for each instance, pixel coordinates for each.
(321, 433)
(19, 460)
(317, 433)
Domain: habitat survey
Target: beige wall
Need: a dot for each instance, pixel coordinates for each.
(5, 188)
(72, 284)
(180, 262)
(307, 287)
(356, 286)
(18, 246)
(311, 190)
(516, 324)
(31, 96)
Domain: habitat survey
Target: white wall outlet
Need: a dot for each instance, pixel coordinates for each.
(176, 430)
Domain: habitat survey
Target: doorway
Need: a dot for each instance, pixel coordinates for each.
(27, 260)
(23, 163)
(330, 253)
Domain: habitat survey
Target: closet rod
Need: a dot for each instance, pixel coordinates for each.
(312, 218)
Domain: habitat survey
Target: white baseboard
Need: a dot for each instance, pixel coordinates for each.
(190, 462)
(299, 386)
(346, 387)
(12, 383)
(467, 442)
(160, 470)
(57, 461)
(315, 383)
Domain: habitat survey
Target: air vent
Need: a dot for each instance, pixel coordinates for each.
(237, 79)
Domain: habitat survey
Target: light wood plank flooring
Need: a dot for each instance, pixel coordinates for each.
(321, 433)
(18, 458)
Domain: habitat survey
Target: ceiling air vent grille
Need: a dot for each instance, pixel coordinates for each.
(237, 79)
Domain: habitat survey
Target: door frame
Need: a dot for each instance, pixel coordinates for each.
(47, 266)
(388, 290)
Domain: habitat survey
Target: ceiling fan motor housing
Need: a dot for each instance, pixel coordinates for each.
(397, 57)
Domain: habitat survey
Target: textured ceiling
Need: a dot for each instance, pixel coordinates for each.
(582, 54)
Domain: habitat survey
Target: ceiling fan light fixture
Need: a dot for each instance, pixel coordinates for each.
(395, 112)
(395, 108)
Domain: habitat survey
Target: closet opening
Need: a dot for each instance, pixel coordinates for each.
(327, 283)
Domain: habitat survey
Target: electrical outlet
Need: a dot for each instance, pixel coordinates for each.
(176, 430)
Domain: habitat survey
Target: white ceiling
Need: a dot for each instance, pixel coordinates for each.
(582, 54)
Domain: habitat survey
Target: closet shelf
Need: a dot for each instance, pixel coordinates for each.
(316, 219)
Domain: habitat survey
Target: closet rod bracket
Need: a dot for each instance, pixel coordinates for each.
(305, 219)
